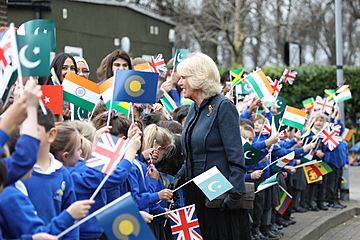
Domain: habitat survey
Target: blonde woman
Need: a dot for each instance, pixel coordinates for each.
(211, 137)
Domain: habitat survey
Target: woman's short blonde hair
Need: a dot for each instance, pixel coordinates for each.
(201, 73)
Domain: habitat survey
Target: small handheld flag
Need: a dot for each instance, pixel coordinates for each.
(236, 76)
(260, 84)
(331, 138)
(212, 183)
(308, 104)
(288, 76)
(267, 183)
(283, 161)
(107, 153)
(343, 94)
(53, 98)
(123, 221)
(180, 55)
(80, 91)
(251, 154)
(324, 105)
(294, 117)
(158, 63)
(184, 224)
(136, 87)
(285, 201)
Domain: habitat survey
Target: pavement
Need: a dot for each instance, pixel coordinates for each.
(332, 224)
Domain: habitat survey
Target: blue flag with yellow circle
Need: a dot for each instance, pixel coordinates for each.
(123, 221)
(135, 86)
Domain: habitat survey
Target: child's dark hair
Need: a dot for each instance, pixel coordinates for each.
(173, 160)
(180, 113)
(120, 124)
(47, 121)
(3, 174)
(173, 126)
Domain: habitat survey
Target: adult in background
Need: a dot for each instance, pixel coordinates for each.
(211, 137)
(117, 59)
(82, 67)
(62, 64)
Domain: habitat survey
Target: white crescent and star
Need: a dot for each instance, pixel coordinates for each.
(79, 114)
(210, 186)
(246, 154)
(25, 61)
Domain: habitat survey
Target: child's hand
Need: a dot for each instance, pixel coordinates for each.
(32, 92)
(43, 236)
(133, 129)
(290, 169)
(14, 115)
(256, 174)
(153, 173)
(146, 216)
(98, 134)
(166, 86)
(273, 139)
(135, 142)
(309, 146)
(165, 194)
(80, 209)
(320, 154)
(146, 153)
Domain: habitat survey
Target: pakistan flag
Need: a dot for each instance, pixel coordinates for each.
(34, 54)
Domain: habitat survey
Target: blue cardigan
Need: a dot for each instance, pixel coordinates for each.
(18, 216)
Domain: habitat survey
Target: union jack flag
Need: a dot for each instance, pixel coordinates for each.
(323, 104)
(288, 76)
(266, 129)
(108, 153)
(158, 63)
(331, 138)
(283, 133)
(248, 99)
(335, 127)
(184, 224)
(276, 86)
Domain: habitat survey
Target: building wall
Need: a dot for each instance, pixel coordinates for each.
(3, 13)
(92, 27)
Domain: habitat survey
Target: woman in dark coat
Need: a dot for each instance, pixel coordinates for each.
(211, 137)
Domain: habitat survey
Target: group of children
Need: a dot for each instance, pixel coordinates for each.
(320, 195)
(48, 183)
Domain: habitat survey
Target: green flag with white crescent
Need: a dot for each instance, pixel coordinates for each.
(40, 27)
(180, 55)
(251, 154)
(34, 54)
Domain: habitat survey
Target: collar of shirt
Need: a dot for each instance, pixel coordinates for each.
(54, 165)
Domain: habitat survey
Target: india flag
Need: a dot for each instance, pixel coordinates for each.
(294, 117)
(271, 181)
(80, 91)
(260, 84)
(168, 103)
(283, 161)
(343, 94)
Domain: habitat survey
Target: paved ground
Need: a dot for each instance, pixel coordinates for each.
(312, 225)
(345, 231)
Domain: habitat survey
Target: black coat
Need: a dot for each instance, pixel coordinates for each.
(211, 137)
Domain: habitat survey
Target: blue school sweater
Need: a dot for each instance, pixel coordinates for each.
(86, 180)
(139, 183)
(51, 192)
(18, 215)
(338, 157)
(23, 158)
(4, 138)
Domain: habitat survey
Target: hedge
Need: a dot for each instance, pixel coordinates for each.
(311, 82)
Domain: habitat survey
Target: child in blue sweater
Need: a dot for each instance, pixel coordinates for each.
(87, 179)
(147, 187)
(57, 188)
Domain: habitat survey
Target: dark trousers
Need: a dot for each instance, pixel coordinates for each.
(332, 183)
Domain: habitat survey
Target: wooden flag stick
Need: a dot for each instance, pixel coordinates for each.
(178, 209)
(262, 127)
(92, 112)
(182, 185)
(285, 191)
(132, 113)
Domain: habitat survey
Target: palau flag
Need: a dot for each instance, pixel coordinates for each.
(135, 86)
(123, 221)
(212, 183)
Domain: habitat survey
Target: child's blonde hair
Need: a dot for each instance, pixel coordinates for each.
(320, 115)
(65, 140)
(161, 135)
(87, 133)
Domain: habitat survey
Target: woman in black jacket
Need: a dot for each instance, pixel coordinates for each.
(211, 137)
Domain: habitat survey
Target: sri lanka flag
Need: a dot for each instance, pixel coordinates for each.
(134, 86)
